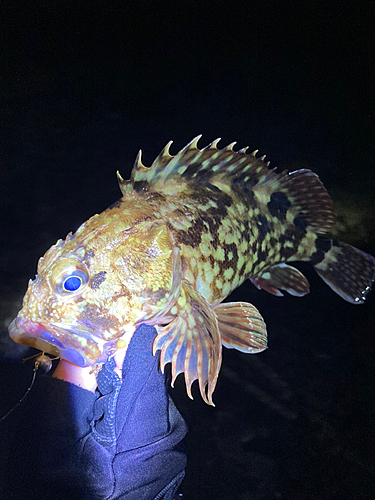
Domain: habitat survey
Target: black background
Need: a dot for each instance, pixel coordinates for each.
(84, 85)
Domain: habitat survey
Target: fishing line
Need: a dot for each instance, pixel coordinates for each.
(43, 362)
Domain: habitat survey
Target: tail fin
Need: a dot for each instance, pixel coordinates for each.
(347, 270)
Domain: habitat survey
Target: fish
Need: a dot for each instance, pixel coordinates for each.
(187, 231)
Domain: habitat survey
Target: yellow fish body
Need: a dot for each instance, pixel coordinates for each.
(187, 232)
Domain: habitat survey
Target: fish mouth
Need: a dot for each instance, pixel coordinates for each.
(77, 346)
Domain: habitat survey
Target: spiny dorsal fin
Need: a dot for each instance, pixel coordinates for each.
(302, 193)
(192, 163)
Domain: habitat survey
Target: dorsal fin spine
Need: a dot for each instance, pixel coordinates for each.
(163, 156)
(213, 144)
(230, 146)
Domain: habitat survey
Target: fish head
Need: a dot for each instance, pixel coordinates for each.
(92, 291)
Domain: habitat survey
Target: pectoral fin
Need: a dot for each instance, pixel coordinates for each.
(160, 277)
(282, 276)
(191, 342)
(241, 327)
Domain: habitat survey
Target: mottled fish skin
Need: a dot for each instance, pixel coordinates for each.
(186, 233)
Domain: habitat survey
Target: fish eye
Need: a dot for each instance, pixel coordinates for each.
(69, 277)
(72, 283)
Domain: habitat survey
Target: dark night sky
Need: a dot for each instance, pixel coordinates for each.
(85, 85)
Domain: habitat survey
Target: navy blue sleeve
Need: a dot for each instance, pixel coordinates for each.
(124, 443)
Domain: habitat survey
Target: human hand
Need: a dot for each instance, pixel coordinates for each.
(86, 377)
(137, 431)
(123, 441)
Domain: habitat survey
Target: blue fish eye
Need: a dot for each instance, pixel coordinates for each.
(72, 283)
(69, 277)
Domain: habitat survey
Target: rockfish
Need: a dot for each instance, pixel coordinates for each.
(187, 232)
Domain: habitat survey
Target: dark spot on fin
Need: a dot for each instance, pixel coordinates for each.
(300, 222)
(313, 201)
(140, 186)
(322, 245)
(282, 276)
(309, 201)
(225, 199)
(347, 270)
(195, 170)
(278, 205)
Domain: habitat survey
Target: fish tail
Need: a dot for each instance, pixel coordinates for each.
(348, 271)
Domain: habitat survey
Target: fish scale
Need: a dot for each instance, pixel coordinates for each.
(186, 233)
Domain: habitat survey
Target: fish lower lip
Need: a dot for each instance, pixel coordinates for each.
(21, 327)
(76, 346)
